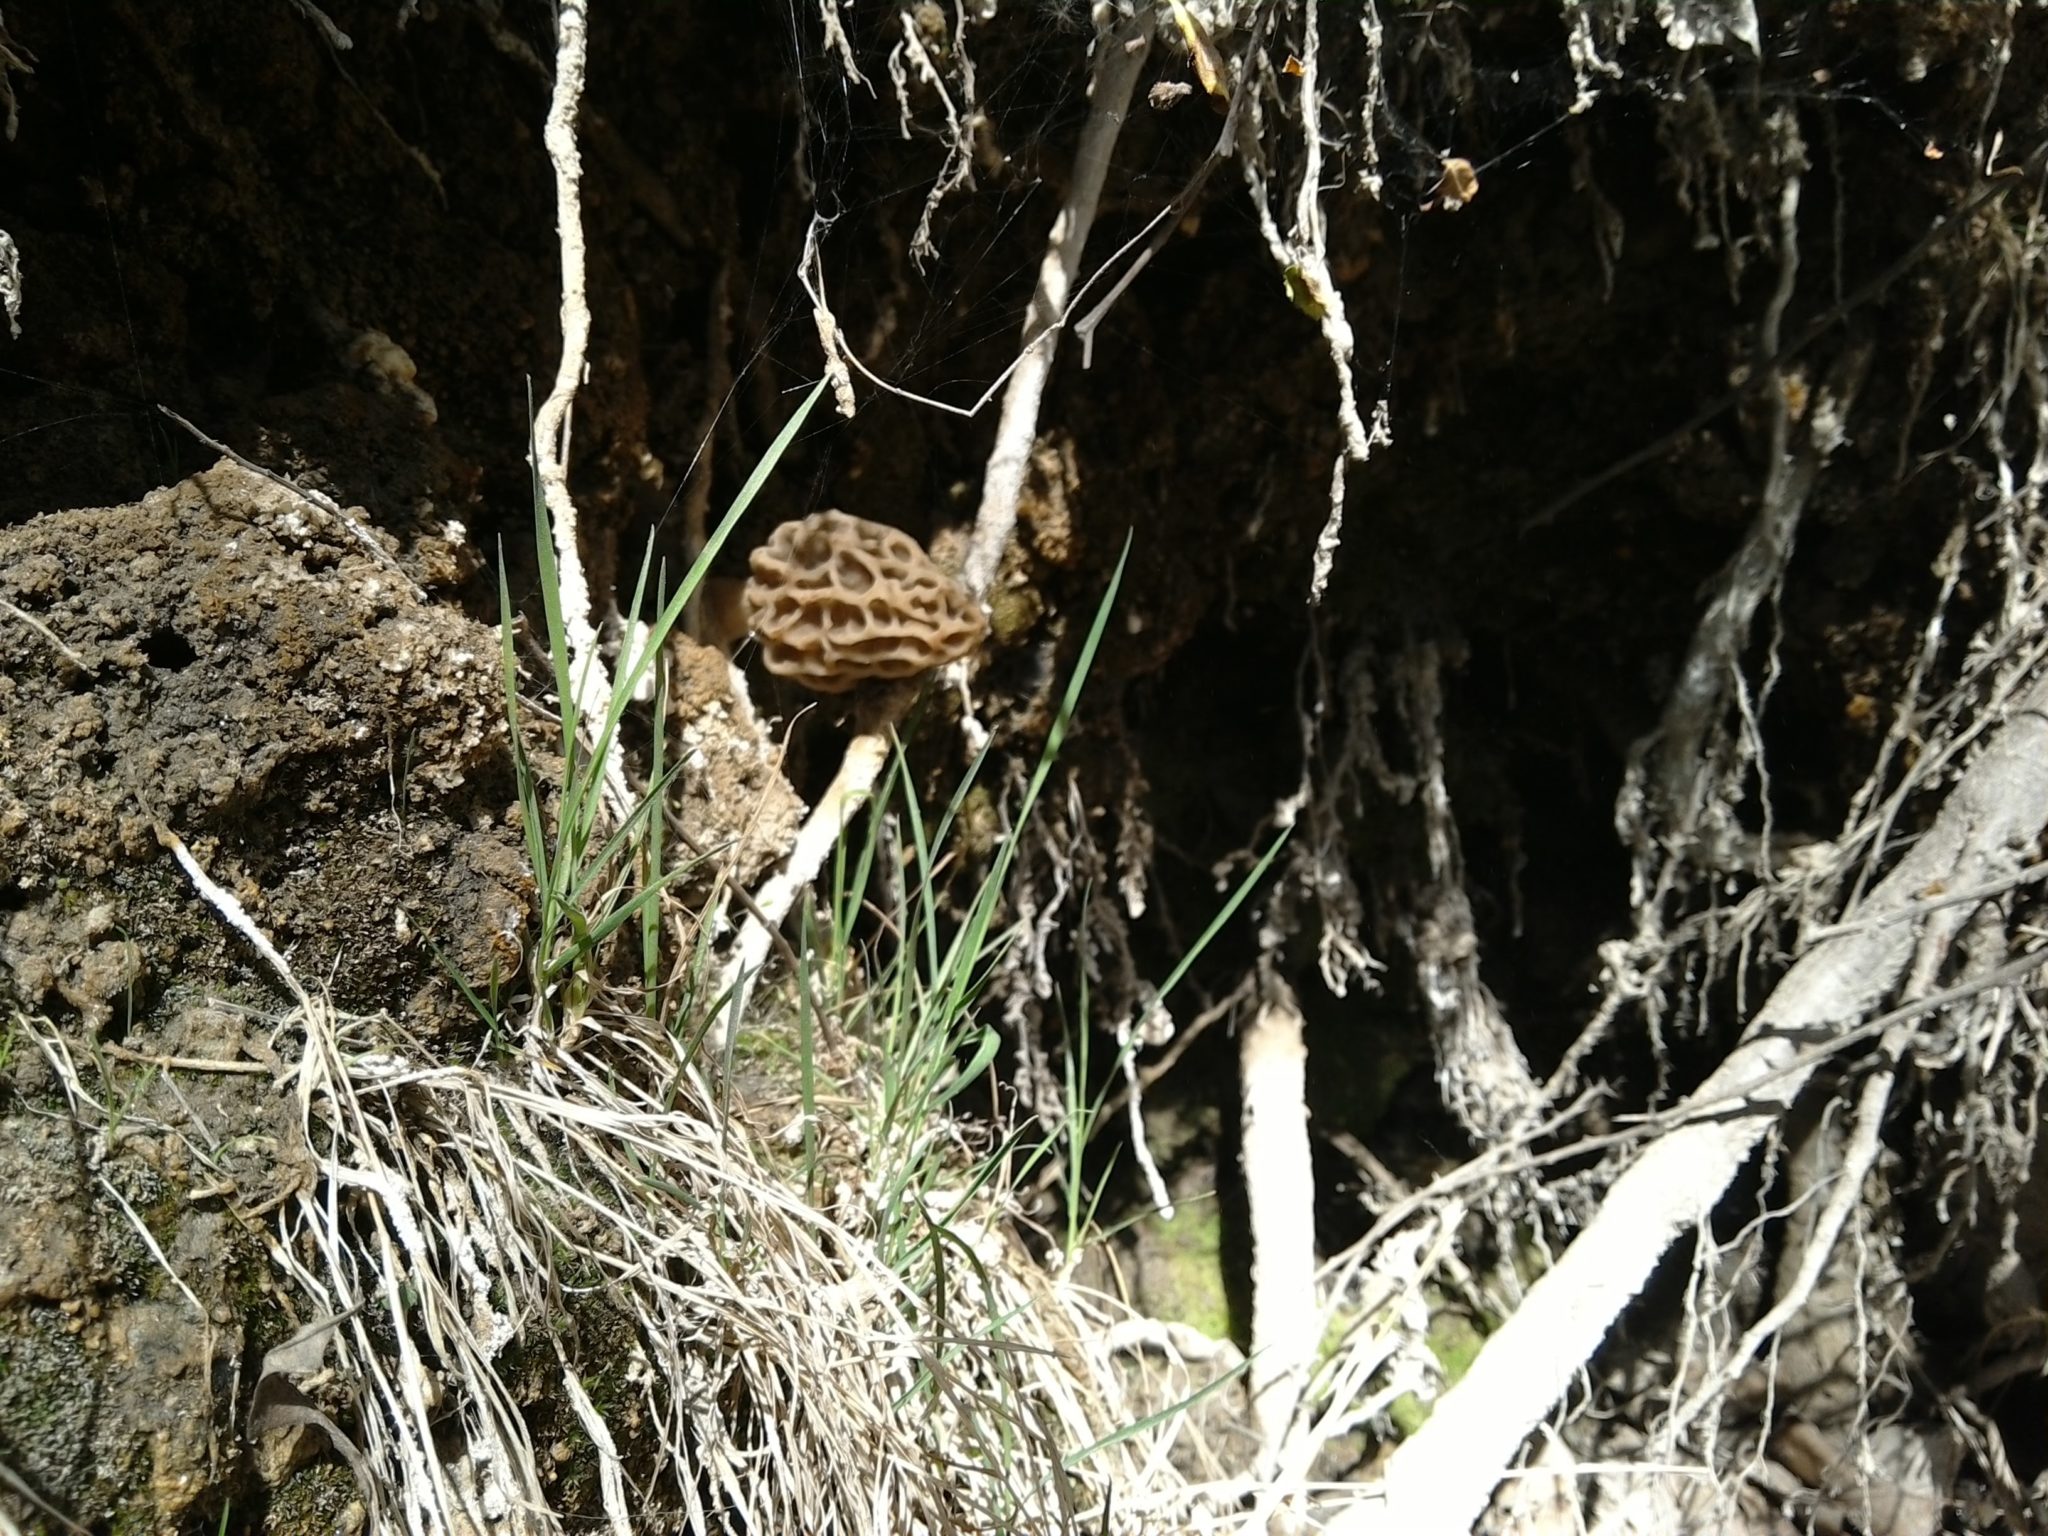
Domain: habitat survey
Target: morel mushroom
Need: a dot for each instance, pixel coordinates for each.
(838, 601)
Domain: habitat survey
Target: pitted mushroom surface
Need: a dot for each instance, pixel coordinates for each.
(838, 601)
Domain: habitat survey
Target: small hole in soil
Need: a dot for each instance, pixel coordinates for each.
(169, 651)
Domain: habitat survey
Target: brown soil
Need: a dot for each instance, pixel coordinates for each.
(343, 264)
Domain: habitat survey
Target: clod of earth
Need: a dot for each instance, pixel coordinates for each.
(837, 601)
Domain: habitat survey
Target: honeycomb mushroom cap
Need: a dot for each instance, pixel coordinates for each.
(838, 601)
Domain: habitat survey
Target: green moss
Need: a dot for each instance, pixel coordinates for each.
(1184, 1268)
(979, 826)
(47, 1398)
(312, 1501)
(1012, 611)
(1455, 1339)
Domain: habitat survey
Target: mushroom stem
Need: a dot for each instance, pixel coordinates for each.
(850, 789)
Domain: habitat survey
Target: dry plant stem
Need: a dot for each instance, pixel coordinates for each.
(1438, 1482)
(551, 424)
(184, 1063)
(1280, 1192)
(866, 755)
(611, 1469)
(1119, 56)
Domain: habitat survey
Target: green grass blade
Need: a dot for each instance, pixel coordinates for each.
(1223, 915)
(672, 611)
(1170, 1411)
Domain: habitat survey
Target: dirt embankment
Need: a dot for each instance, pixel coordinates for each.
(342, 262)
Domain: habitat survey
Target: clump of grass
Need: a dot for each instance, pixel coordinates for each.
(888, 1363)
(597, 855)
(936, 1186)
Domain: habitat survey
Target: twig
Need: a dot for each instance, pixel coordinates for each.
(1912, 912)
(1119, 55)
(182, 1063)
(1161, 227)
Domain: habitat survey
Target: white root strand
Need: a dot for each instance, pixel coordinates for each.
(592, 683)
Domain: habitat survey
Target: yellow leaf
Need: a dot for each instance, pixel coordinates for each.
(1209, 66)
(1304, 292)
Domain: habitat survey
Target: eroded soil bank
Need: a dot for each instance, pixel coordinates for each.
(341, 263)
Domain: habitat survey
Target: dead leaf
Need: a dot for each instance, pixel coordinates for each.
(1458, 184)
(1169, 93)
(279, 1404)
(1304, 292)
(1209, 66)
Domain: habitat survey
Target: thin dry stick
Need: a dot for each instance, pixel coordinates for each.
(184, 1063)
(358, 531)
(1119, 55)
